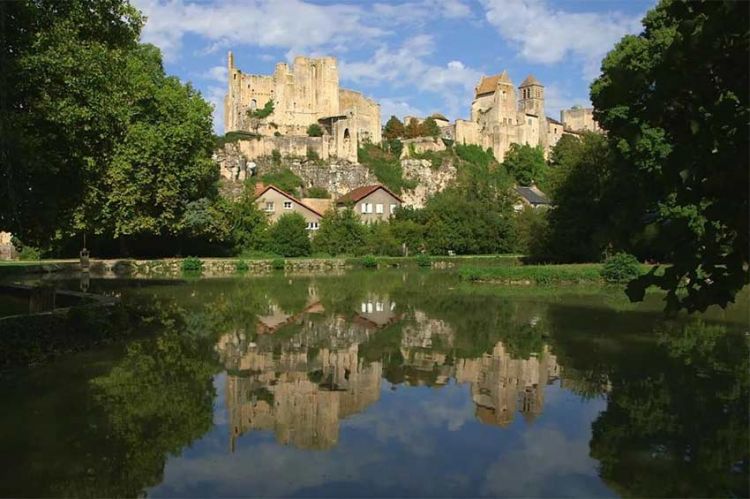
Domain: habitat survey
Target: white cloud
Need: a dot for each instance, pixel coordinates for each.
(397, 107)
(216, 73)
(546, 35)
(290, 24)
(556, 99)
(406, 66)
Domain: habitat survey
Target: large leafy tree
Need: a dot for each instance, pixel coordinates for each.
(163, 161)
(341, 232)
(288, 236)
(674, 103)
(393, 129)
(63, 106)
(525, 163)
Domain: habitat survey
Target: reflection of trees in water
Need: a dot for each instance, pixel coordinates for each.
(154, 401)
(676, 422)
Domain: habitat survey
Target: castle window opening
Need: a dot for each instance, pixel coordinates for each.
(253, 104)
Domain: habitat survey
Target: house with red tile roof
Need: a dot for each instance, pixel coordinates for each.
(372, 202)
(276, 203)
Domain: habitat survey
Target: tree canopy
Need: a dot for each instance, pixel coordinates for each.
(674, 103)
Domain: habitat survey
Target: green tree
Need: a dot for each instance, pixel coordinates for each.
(314, 130)
(65, 102)
(525, 163)
(565, 154)
(163, 161)
(289, 237)
(674, 103)
(341, 232)
(412, 129)
(380, 240)
(393, 129)
(430, 128)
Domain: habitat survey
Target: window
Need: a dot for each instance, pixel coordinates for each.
(379, 208)
(393, 208)
(287, 205)
(269, 206)
(312, 226)
(364, 207)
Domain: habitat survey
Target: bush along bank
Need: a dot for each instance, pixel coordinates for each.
(535, 274)
(616, 271)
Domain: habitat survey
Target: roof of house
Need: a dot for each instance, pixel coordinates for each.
(364, 191)
(532, 195)
(553, 120)
(261, 189)
(529, 81)
(488, 84)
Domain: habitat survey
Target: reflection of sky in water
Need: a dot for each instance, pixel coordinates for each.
(412, 441)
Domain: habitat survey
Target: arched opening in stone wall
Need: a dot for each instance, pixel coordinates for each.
(253, 105)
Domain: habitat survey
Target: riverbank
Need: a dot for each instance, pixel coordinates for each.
(222, 267)
(581, 273)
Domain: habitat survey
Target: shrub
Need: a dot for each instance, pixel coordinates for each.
(241, 266)
(369, 262)
(283, 178)
(288, 236)
(423, 261)
(29, 253)
(276, 156)
(620, 267)
(278, 264)
(191, 264)
(317, 192)
(312, 155)
(277, 134)
(314, 130)
(263, 112)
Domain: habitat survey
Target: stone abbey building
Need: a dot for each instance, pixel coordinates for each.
(305, 93)
(500, 117)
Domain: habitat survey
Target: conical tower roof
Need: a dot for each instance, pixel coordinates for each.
(530, 81)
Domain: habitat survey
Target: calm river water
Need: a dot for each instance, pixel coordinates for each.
(384, 384)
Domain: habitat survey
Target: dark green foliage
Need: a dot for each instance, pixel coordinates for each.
(314, 130)
(674, 103)
(248, 225)
(381, 240)
(430, 128)
(408, 231)
(587, 208)
(263, 112)
(241, 266)
(234, 136)
(394, 146)
(29, 253)
(276, 157)
(341, 232)
(278, 264)
(474, 155)
(423, 261)
(525, 163)
(191, 264)
(369, 262)
(311, 155)
(530, 230)
(317, 192)
(620, 267)
(386, 167)
(284, 179)
(393, 129)
(288, 236)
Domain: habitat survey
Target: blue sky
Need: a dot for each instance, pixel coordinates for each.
(412, 56)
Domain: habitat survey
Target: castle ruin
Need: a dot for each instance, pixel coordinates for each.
(307, 93)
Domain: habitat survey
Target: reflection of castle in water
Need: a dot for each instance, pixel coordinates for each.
(301, 387)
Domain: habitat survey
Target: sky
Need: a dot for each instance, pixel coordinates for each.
(415, 57)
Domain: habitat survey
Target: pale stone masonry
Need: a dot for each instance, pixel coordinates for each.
(305, 93)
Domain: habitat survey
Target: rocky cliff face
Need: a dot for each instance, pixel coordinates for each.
(429, 180)
(338, 176)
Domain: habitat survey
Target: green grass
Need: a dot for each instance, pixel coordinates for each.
(534, 274)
